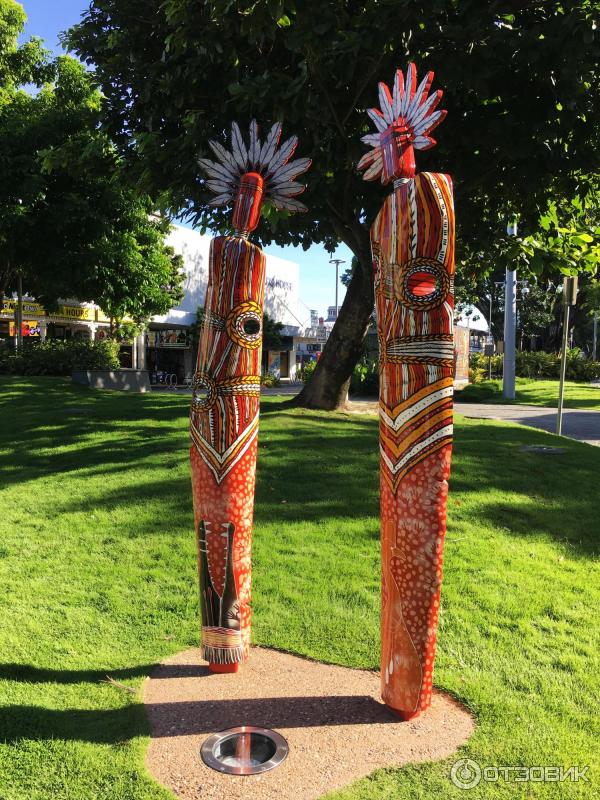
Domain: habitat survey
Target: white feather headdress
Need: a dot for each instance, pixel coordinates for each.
(266, 158)
(407, 106)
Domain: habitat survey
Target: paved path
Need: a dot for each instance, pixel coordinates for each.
(577, 424)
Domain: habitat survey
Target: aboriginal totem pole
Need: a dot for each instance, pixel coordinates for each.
(412, 242)
(226, 387)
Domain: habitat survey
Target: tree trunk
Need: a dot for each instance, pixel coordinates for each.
(328, 386)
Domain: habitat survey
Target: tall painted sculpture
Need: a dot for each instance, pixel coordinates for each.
(226, 387)
(412, 241)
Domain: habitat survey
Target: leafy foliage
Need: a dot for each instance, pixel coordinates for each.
(271, 333)
(538, 364)
(520, 84)
(521, 88)
(69, 223)
(58, 357)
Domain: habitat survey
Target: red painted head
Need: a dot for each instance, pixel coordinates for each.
(398, 155)
(248, 202)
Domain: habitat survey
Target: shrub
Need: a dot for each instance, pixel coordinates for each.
(538, 364)
(269, 381)
(365, 379)
(59, 357)
(477, 375)
(307, 370)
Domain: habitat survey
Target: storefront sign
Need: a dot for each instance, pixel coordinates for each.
(75, 313)
(63, 312)
(30, 327)
(169, 338)
(29, 307)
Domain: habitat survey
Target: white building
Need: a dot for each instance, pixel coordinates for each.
(479, 330)
(168, 346)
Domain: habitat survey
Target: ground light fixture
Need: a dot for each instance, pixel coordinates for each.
(245, 750)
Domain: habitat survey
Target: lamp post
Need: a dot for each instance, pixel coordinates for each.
(510, 319)
(337, 262)
(18, 316)
(569, 299)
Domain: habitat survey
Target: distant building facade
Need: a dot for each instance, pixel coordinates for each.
(167, 347)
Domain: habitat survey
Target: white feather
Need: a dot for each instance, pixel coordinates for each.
(398, 93)
(288, 171)
(379, 121)
(289, 189)
(423, 143)
(238, 148)
(373, 139)
(219, 187)
(267, 151)
(429, 122)
(224, 156)
(417, 113)
(283, 156)
(216, 170)
(374, 170)
(289, 204)
(221, 199)
(368, 158)
(385, 103)
(409, 86)
(254, 146)
(425, 83)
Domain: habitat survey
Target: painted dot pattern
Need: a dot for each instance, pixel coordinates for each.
(413, 250)
(230, 501)
(216, 547)
(413, 529)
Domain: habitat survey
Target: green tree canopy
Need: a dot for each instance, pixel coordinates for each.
(70, 225)
(520, 81)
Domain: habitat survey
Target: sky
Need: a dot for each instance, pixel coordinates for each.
(47, 18)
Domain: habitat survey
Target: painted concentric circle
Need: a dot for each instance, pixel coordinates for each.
(421, 284)
(244, 325)
(204, 392)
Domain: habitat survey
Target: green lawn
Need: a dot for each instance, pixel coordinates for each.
(98, 577)
(533, 393)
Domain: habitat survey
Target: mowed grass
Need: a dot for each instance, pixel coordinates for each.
(534, 393)
(98, 578)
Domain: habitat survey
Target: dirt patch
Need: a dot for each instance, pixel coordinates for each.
(362, 407)
(336, 726)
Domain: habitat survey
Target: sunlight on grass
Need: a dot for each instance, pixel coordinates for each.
(533, 393)
(98, 568)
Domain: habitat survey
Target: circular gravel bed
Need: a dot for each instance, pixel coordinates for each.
(336, 726)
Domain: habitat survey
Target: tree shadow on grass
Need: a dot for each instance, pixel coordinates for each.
(314, 466)
(26, 673)
(558, 491)
(105, 726)
(109, 726)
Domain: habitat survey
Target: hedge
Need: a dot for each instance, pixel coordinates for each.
(58, 357)
(538, 364)
(365, 377)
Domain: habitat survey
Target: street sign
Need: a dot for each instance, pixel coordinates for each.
(570, 290)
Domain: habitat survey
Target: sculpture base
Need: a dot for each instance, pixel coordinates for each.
(337, 728)
(223, 668)
(405, 716)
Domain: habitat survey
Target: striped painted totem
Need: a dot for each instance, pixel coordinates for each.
(226, 387)
(412, 242)
(224, 430)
